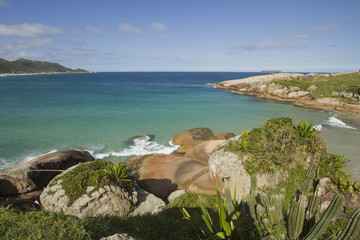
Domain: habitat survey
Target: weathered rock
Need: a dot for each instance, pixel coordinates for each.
(191, 138)
(175, 195)
(147, 203)
(349, 95)
(122, 236)
(24, 178)
(222, 136)
(227, 169)
(261, 88)
(328, 101)
(302, 94)
(292, 95)
(294, 89)
(202, 151)
(148, 137)
(109, 200)
(164, 174)
(312, 88)
(335, 94)
(279, 92)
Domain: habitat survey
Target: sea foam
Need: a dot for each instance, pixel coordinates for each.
(141, 146)
(334, 122)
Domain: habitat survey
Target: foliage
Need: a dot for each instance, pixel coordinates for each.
(39, 225)
(97, 174)
(349, 82)
(28, 66)
(276, 144)
(266, 211)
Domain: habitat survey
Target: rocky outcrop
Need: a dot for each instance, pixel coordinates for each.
(147, 203)
(36, 174)
(190, 138)
(163, 174)
(193, 137)
(264, 87)
(227, 169)
(122, 236)
(202, 151)
(110, 200)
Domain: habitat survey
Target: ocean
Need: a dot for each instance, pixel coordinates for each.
(99, 112)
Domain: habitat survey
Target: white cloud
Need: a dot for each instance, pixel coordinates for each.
(22, 54)
(96, 30)
(21, 44)
(127, 28)
(325, 27)
(269, 46)
(28, 30)
(158, 27)
(3, 3)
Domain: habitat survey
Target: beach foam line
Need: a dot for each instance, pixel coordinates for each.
(334, 122)
(141, 146)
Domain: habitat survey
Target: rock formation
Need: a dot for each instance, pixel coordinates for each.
(25, 178)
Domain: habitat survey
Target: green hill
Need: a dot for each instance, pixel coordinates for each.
(28, 66)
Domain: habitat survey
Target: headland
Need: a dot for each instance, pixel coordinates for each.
(330, 91)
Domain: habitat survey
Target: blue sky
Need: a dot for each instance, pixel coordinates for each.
(196, 35)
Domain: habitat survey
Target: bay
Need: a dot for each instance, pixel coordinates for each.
(100, 111)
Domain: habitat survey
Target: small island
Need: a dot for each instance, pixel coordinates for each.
(25, 66)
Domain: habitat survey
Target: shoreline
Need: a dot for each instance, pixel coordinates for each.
(264, 87)
(42, 73)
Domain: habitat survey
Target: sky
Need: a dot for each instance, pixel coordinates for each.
(186, 35)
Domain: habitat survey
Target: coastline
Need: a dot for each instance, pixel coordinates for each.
(264, 87)
(42, 73)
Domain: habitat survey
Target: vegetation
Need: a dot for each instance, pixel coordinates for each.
(97, 174)
(276, 145)
(349, 82)
(28, 66)
(269, 220)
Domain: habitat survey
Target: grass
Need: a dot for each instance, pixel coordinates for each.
(97, 174)
(168, 224)
(326, 85)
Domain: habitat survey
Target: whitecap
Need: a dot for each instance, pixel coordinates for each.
(334, 122)
(318, 127)
(31, 157)
(141, 146)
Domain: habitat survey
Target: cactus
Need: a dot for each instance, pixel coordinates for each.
(321, 226)
(352, 227)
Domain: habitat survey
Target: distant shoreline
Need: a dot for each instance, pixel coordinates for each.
(266, 87)
(42, 73)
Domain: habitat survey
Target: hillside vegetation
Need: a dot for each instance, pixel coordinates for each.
(28, 66)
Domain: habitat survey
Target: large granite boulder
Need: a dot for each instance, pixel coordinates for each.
(227, 170)
(190, 138)
(24, 178)
(110, 200)
(202, 151)
(163, 174)
(147, 203)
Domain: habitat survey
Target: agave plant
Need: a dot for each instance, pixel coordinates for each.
(302, 222)
(120, 173)
(306, 130)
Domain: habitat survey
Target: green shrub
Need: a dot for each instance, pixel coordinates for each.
(97, 174)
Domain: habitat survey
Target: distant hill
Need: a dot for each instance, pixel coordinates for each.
(28, 66)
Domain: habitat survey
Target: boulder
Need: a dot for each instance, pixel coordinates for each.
(122, 236)
(222, 136)
(148, 137)
(312, 88)
(294, 89)
(261, 88)
(202, 151)
(292, 95)
(227, 169)
(24, 178)
(110, 200)
(302, 94)
(147, 203)
(175, 195)
(191, 138)
(163, 174)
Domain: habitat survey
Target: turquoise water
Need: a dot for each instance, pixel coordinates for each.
(99, 112)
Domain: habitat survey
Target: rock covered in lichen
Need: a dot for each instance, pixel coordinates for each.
(108, 200)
